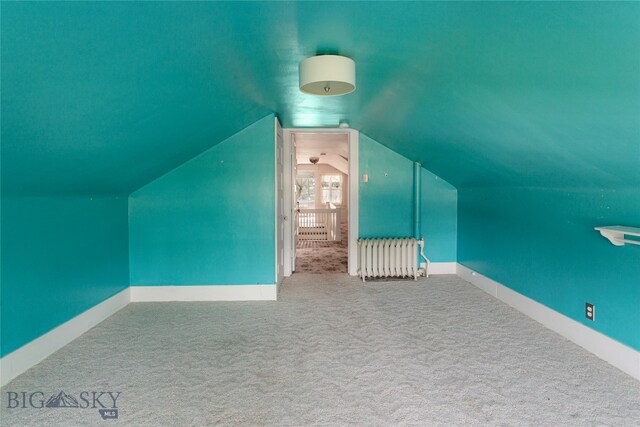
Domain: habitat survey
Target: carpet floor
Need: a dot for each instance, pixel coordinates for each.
(330, 352)
(321, 257)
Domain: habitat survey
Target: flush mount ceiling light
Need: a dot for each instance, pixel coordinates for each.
(314, 160)
(327, 75)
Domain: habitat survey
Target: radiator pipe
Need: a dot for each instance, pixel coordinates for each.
(417, 232)
(417, 223)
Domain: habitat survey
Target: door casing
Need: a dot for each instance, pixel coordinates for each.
(289, 202)
(281, 215)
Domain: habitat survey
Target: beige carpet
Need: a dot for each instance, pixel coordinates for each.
(320, 257)
(332, 352)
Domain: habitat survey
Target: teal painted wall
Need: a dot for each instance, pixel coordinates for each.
(60, 257)
(211, 220)
(541, 243)
(386, 202)
(439, 218)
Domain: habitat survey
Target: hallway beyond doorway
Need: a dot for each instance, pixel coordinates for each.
(322, 257)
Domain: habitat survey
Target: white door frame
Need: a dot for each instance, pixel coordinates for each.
(289, 203)
(280, 206)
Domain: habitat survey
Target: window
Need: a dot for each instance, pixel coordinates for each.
(332, 189)
(306, 189)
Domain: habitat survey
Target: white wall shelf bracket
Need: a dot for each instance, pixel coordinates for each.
(616, 233)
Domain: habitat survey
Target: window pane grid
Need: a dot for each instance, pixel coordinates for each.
(331, 188)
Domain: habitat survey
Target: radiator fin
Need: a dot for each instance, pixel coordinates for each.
(392, 257)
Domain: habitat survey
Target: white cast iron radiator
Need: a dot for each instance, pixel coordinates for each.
(391, 257)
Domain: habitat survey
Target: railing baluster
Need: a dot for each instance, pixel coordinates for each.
(319, 224)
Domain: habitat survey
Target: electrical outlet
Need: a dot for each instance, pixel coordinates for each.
(590, 311)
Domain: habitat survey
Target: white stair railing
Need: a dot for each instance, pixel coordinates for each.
(319, 224)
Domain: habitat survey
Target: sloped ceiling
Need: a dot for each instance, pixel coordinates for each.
(104, 97)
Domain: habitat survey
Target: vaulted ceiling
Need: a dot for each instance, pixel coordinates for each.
(104, 97)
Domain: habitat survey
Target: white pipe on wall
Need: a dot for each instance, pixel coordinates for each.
(417, 232)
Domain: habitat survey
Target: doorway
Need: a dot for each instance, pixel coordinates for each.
(321, 198)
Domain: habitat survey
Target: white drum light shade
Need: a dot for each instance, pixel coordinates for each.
(327, 75)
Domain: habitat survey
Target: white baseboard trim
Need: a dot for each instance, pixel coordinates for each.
(617, 354)
(443, 268)
(29, 355)
(204, 293)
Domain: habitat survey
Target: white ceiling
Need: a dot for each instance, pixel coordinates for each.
(326, 146)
